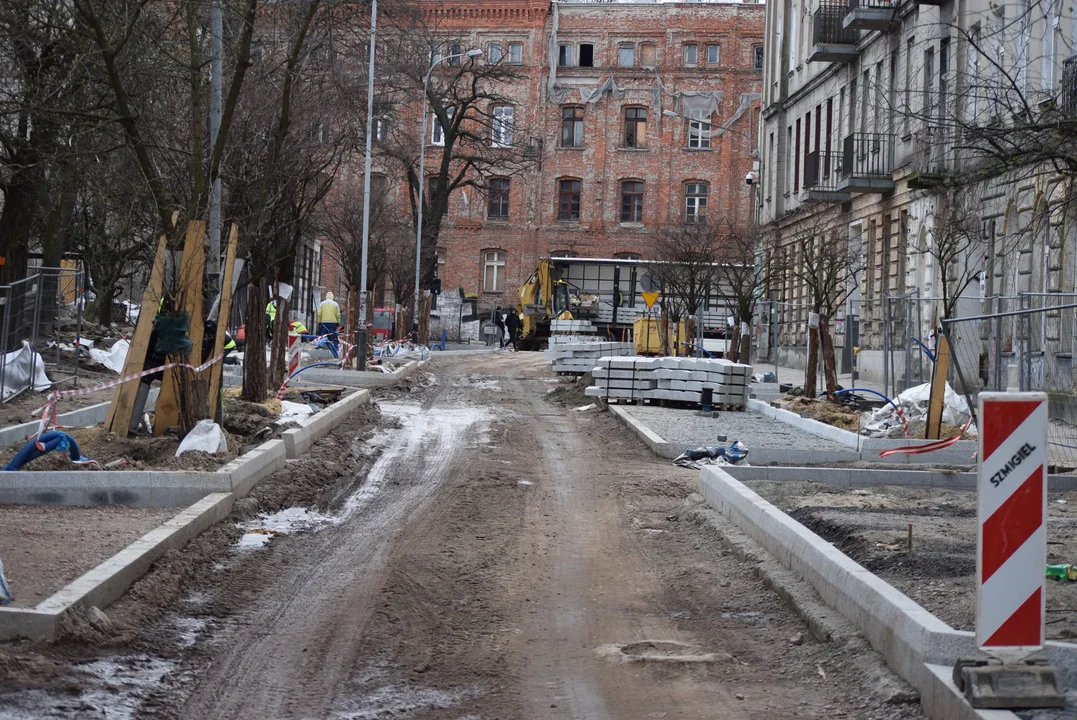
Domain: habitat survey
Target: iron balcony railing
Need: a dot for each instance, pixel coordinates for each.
(821, 171)
(1069, 86)
(871, 4)
(827, 26)
(868, 155)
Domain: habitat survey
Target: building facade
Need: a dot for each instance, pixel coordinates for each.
(605, 94)
(893, 121)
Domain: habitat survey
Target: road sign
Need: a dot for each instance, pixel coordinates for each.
(649, 298)
(1011, 552)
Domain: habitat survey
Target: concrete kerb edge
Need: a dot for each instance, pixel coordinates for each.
(651, 439)
(358, 379)
(909, 638)
(298, 441)
(843, 437)
(110, 580)
(865, 477)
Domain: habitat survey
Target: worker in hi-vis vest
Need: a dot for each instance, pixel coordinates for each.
(329, 321)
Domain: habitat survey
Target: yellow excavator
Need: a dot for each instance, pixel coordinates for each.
(545, 297)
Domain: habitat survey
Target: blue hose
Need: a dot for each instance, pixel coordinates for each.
(926, 351)
(313, 365)
(873, 392)
(61, 442)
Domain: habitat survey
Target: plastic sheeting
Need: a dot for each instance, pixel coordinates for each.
(206, 436)
(19, 367)
(112, 359)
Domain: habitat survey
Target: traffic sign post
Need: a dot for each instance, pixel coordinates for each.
(1011, 556)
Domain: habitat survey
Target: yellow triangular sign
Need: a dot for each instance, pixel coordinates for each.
(649, 298)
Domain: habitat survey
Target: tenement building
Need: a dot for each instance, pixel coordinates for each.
(934, 141)
(639, 115)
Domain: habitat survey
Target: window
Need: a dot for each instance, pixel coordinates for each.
(439, 258)
(929, 82)
(712, 54)
(699, 129)
(437, 133)
(635, 127)
(568, 194)
(381, 129)
(757, 57)
(564, 55)
(498, 208)
(493, 53)
(626, 256)
(691, 54)
(502, 128)
(572, 127)
(564, 253)
(695, 202)
(516, 54)
(631, 201)
(587, 55)
(626, 56)
(435, 54)
(379, 186)
(432, 186)
(648, 55)
(453, 57)
(944, 70)
(493, 271)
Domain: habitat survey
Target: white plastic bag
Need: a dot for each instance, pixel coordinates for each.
(206, 436)
(294, 412)
(5, 591)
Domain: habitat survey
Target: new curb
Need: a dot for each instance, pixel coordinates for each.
(297, 441)
(918, 646)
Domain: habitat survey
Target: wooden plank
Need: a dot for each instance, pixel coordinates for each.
(933, 431)
(189, 299)
(123, 400)
(223, 313)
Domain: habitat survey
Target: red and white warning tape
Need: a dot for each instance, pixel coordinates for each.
(929, 447)
(48, 410)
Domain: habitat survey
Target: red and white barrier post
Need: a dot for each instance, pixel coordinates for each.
(293, 353)
(1011, 555)
(1011, 558)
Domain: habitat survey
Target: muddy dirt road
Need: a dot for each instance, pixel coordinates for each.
(497, 556)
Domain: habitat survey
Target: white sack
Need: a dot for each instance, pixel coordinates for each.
(206, 436)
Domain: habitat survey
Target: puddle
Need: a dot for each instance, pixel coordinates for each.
(661, 651)
(285, 522)
(112, 689)
(375, 695)
(189, 629)
(525, 482)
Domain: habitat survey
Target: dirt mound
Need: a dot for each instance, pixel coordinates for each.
(570, 394)
(823, 411)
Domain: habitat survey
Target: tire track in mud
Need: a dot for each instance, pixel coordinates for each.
(287, 654)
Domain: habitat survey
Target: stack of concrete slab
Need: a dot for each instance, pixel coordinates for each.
(685, 379)
(572, 326)
(670, 378)
(623, 377)
(579, 358)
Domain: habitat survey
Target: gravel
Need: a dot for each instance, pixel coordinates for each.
(753, 429)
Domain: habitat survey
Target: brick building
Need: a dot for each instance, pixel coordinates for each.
(614, 169)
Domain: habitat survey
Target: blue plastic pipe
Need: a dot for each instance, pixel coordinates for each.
(927, 352)
(873, 392)
(54, 440)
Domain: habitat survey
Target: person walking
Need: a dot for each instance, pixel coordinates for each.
(499, 320)
(329, 321)
(512, 326)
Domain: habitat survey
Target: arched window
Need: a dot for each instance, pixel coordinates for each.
(564, 254)
(626, 256)
(635, 127)
(631, 201)
(695, 202)
(493, 270)
(568, 199)
(498, 196)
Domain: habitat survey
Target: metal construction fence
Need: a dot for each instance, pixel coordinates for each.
(1029, 340)
(32, 310)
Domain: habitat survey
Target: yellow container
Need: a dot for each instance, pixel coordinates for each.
(648, 337)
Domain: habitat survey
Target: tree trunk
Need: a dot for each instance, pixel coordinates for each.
(663, 334)
(812, 368)
(104, 306)
(278, 367)
(16, 224)
(829, 367)
(254, 364)
(733, 346)
(424, 318)
(745, 350)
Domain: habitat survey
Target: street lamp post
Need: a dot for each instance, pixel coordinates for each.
(422, 180)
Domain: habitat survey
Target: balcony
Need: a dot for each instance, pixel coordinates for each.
(1068, 100)
(927, 159)
(831, 42)
(867, 162)
(821, 171)
(870, 15)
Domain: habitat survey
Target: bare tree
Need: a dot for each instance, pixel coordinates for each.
(687, 272)
(956, 249)
(742, 278)
(828, 265)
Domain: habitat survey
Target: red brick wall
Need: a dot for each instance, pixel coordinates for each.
(533, 230)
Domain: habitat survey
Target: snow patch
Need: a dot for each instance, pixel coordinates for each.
(285, 522)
